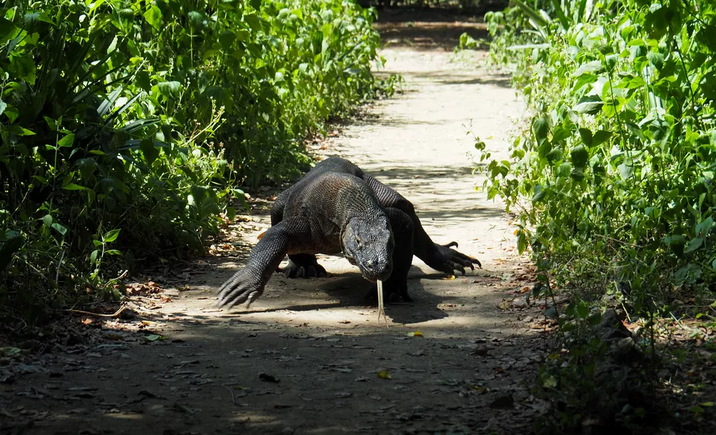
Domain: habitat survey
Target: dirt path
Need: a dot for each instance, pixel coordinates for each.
(192, 369)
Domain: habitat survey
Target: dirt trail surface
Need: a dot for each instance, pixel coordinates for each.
(310, 356)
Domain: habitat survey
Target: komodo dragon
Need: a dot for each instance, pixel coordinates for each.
(336, 208)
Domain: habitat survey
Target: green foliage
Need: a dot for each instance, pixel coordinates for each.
(617, 172)
(125, 123)
(613, 180)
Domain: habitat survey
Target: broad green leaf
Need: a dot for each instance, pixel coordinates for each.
(59, 228)
(227, 38)
(149, 151)
(564, 170)
(582, 310)
(656, 59)
(586, 135)
(541, 129)
(67, 141)
(580, 156)
(694, 244)
(111, 236)
(17, 130)
(560, 134)
(253, 21)
(521, 241)
(539, 193)
(169, 89)
(594, 66)
(626, 171)
(153, 15)
(73, 186)
(600, 136)
(590, 104)
(703, 228)
(555, 155)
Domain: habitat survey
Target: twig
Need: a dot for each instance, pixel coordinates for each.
(233, 398)
(89, 313)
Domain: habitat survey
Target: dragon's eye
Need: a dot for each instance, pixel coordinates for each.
(358, 240)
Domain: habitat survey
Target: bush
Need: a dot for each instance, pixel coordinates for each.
(615, 174)
(612, 181)
(125, 124)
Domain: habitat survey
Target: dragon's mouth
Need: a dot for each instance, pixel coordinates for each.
(373, 275)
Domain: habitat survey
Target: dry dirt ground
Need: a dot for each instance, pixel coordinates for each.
(310, 356)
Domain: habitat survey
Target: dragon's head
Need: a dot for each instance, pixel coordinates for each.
(368, 243)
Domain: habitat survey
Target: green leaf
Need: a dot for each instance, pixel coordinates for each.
(59, 228)
(153, 15)
(23, 68)
(3, 106)
(539, 193)
(12, 113)
(555, 155)
(149, 151)
(626, 171)
(694, 244)
(73, 186)
(67, 140)
(590, 104)
(169, 89)
(703, 228)
(521, 242)
(111, 236)
(586, 135)
(582, 310)
(531, 13)
(17, 130)
(594, 66)
(47, 221)
(227, 38)
(560, 134)
(541, 129)
(600, 137)
(579, 155)
(560, 14)
(564, 169)
(656, 59)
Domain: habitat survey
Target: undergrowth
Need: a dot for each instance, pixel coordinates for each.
(126, 126)
(612, 186)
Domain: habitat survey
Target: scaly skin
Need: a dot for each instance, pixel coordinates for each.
(336, 208)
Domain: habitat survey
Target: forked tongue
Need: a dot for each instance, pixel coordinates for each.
(381, 306)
